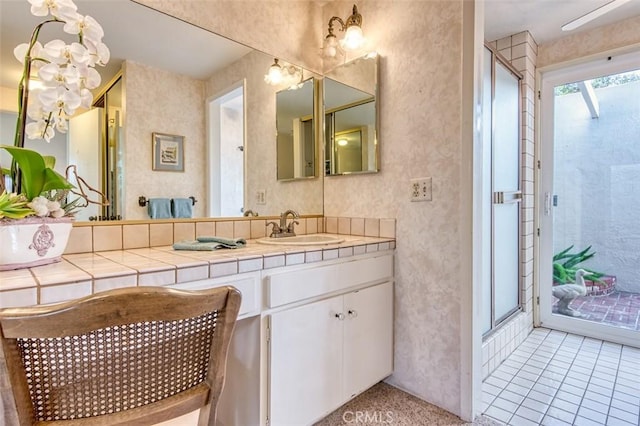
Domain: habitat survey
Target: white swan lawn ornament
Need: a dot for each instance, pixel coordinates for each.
(567, 292)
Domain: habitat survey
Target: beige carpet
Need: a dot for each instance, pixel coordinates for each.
(386, 405)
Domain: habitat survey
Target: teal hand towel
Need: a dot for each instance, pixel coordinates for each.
(159, 208)
(181, 207)
(227, 242)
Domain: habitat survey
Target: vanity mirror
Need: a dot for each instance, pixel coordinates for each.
(296, 132)
(170, 87)
(351, 124)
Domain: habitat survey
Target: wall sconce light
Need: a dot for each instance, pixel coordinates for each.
(288, 75)
(353, 37)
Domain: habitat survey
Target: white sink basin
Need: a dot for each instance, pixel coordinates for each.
(302, 240)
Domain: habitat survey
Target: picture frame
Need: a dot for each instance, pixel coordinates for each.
(168, 152)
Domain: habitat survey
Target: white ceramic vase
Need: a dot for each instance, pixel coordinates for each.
(32, 241)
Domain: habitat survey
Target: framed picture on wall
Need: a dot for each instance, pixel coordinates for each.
(168, 152)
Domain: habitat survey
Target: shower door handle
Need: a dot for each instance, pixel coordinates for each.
(505, 197)
(547, 203)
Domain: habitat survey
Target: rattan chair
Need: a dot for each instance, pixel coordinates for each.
(134, 356)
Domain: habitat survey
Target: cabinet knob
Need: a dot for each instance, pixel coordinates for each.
(340, 316)
(352, 313)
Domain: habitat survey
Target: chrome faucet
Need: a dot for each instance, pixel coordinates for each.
(282, 229)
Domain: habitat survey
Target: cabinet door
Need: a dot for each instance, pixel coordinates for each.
(368, 337)
(305, 380)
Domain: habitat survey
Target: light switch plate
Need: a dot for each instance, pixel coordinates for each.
(261, 196)
(421, 189)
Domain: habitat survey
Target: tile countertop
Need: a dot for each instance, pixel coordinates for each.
(79, 275)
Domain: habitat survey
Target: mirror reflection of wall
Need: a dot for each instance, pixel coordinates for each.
(168, 93)
(296, 132)
(264, 193)
(350, 107)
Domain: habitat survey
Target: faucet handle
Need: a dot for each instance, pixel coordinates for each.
(291, 225)
(275, 230)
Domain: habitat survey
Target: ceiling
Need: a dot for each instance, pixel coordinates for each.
(543, 18)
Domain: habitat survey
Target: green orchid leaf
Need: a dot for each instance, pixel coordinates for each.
(54, 180)
(37, 172)
(49, 161)
(32, 167)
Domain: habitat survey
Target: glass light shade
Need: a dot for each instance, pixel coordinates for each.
(275, 74)
(342, 142)
(331, 45)
(353, 38)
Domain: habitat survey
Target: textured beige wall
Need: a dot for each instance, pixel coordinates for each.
(420, 135)
(608, 37)
(304, 196)
(162, 102)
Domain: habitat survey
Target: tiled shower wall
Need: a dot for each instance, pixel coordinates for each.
(521, 51)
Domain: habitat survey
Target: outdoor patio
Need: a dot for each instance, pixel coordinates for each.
(621, 309)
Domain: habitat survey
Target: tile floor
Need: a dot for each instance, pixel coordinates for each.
(621, 309)
(556, 378)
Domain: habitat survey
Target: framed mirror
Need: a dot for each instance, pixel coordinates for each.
(168, 85)
(351, 118)
(295, 132)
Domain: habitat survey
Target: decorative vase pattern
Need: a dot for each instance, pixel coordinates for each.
(32, 241)
(43, 240)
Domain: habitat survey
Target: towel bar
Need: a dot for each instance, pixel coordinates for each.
(143, 201)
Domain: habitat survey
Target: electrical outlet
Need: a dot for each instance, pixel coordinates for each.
(261, 196)
(421, 189)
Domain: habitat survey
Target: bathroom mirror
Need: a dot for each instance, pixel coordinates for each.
(350, 113)
(168, 90)
(295, 132)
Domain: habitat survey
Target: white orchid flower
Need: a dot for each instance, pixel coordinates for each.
(61, 123)
(39, 130)
(61, 76)
(20, 52)
(99, 53)
(87, 27)
(53, 51)
(60, 9)
(86, 98)
(89, 77)
(59, 98)
(61, 53)
(34, 109)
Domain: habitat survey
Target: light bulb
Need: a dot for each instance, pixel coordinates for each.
(353, 38)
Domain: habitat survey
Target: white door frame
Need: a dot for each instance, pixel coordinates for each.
(213, 148)
(547, 78)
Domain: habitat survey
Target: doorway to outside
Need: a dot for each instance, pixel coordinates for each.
(589, 198)
(226, 129)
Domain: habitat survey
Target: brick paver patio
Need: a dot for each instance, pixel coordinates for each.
(620, 309)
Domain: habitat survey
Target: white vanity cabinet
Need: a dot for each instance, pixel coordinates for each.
(329, 347)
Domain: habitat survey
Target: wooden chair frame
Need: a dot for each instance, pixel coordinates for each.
(124, 307)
